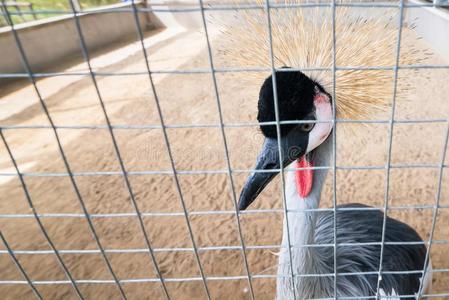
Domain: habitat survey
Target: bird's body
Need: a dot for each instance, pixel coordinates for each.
(357, 224)
(355, 227)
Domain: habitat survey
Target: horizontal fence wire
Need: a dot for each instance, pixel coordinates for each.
(222, 7)
(218, 212)
(212, 278)
(224, 70)
(201, 8)
(228, 125)
(203, 172)
(225, 247)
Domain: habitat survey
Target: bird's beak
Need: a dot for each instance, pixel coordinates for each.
(293, 146)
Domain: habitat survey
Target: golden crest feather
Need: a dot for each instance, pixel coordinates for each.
(302, 38)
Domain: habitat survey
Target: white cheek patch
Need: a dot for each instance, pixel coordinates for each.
(323, 111)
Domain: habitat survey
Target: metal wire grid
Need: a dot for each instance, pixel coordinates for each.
(19, 266)
(175, 173)
(390, 147)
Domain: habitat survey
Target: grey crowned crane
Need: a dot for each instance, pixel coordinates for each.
(302, 37)
(310, 144)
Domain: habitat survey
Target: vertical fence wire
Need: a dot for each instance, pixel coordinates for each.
(390, 143)
(38, 220)
(19, 266)
(86, 56)
(278, 133)
(171, 158)
(334, 142)
(147, 240)
(27, 67)
(65, 161)
(226, 151)
(435, 214)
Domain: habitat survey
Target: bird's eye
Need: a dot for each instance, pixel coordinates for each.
(306, 127)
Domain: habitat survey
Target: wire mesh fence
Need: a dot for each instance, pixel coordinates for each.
(148, 248)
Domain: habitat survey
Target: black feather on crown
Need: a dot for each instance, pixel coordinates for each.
(295, 93)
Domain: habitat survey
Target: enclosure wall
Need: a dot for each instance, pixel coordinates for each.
(432, 25)
(48, 42)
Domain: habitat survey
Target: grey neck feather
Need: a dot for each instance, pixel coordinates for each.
(302, 228)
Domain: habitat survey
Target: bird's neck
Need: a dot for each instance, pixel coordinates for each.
(301, 224)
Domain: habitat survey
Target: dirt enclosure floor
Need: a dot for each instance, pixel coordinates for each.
(186, 99)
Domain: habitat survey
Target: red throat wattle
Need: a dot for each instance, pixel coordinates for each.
(304, 178)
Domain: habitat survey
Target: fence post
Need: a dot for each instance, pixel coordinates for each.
(147, 16)
(3, 10)
(31, 8)
(76, 5)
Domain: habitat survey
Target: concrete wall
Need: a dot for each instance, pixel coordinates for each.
(50, 41)
(433, 25)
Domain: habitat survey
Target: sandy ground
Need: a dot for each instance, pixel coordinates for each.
(187, 99)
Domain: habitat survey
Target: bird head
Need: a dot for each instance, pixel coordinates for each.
(307, 38)
(298, 98)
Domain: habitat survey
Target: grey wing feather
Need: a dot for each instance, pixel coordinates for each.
(355, 226)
